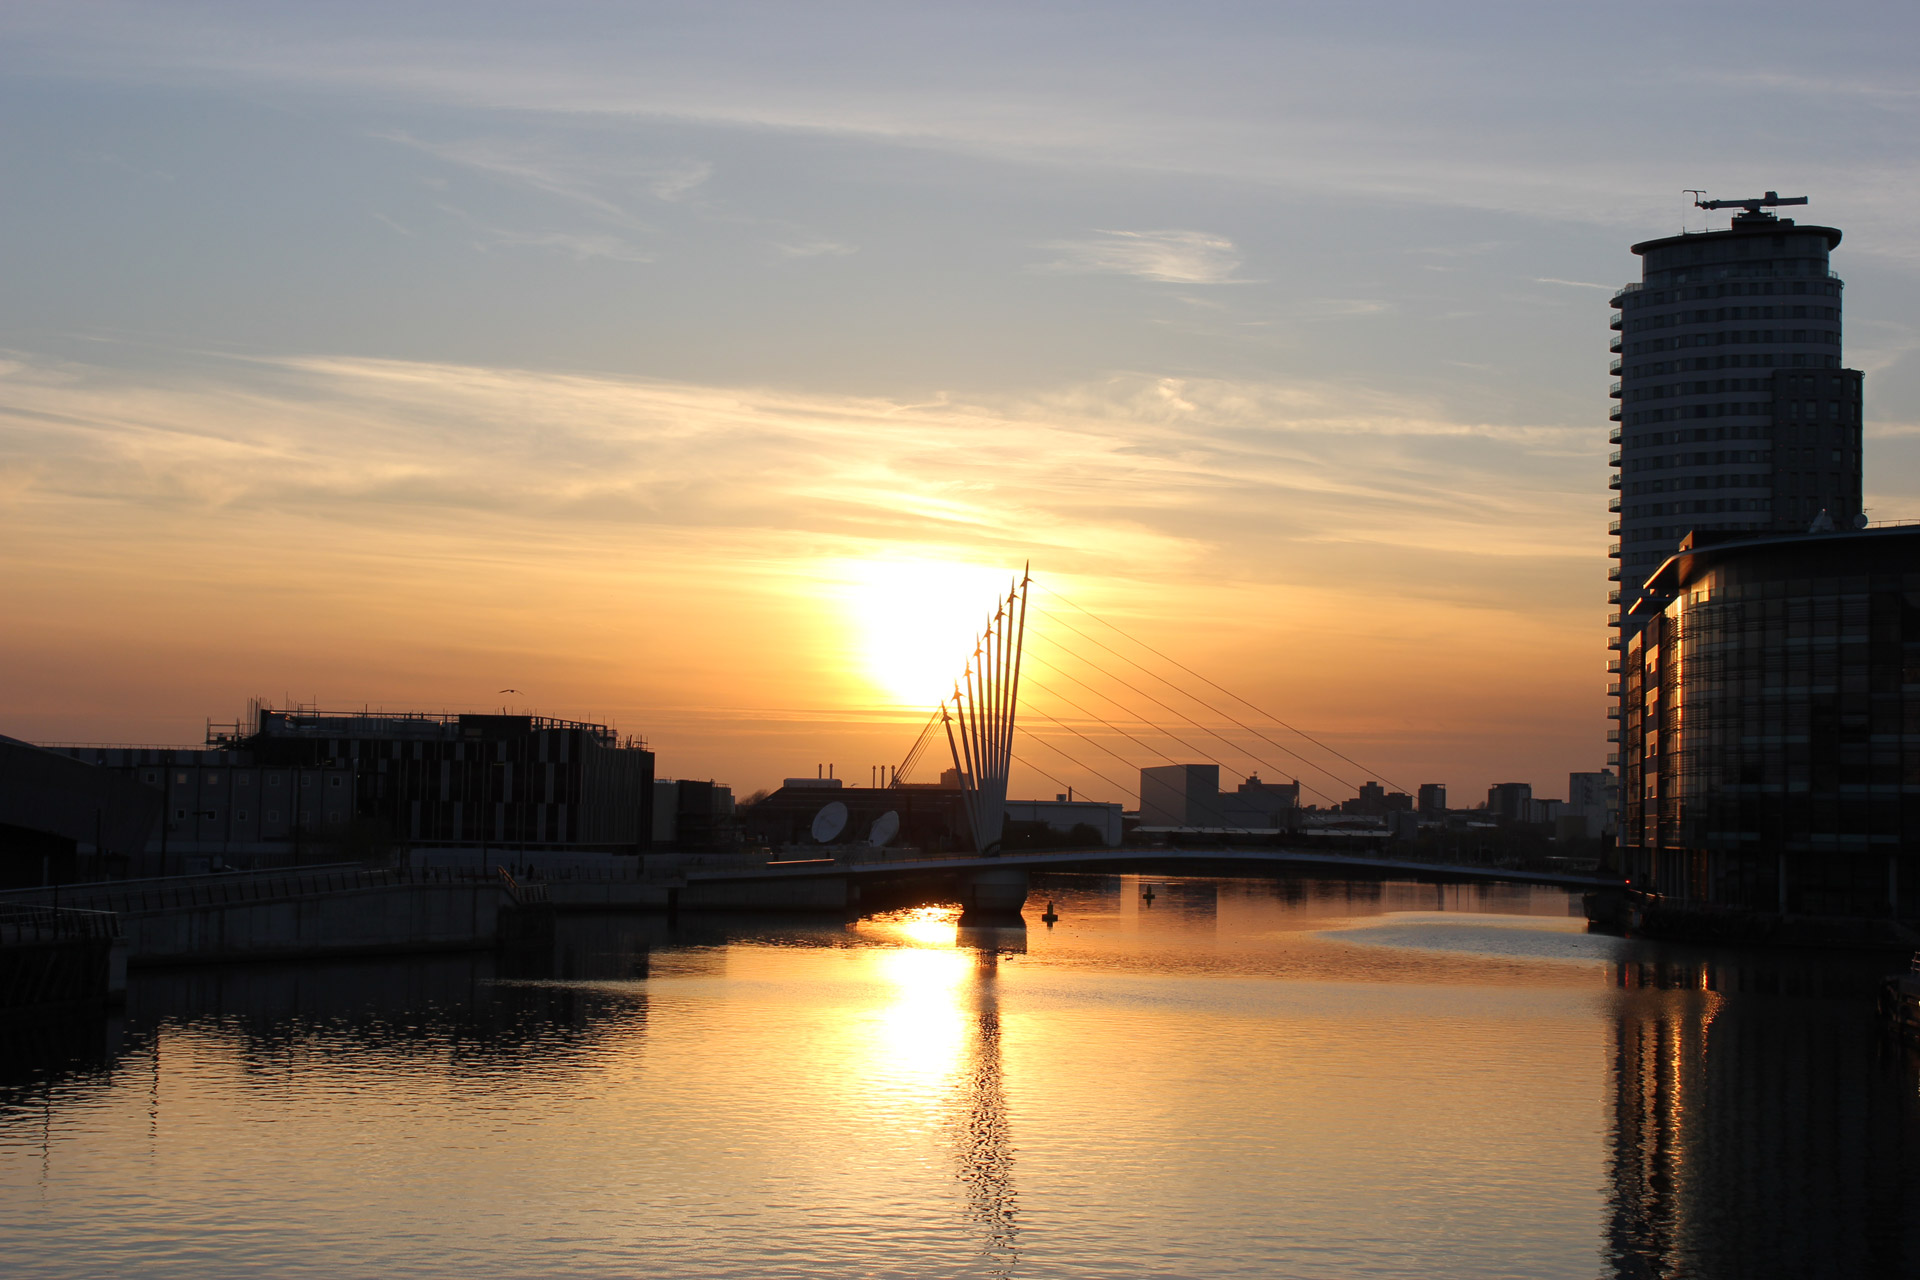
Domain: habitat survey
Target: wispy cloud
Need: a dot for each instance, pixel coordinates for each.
(1573, 284)
(579, 245)
(1149, 470)
(814, 249)
(595, 182)
(1177, 257)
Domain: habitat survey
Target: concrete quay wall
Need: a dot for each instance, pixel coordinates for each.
(381, 918)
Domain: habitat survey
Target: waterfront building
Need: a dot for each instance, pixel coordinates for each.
(286, 780)
(51, 805)
(1433, 801)
(932, 819)
(1733, 411)
(1770, 734)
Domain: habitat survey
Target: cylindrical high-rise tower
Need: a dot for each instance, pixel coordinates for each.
(1733, 412)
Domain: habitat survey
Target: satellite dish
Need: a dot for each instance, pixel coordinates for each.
(829, 822)
(885, 828)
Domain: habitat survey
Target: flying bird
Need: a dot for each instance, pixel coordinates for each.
(509, 691)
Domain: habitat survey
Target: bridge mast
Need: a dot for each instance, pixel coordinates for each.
(983, 710)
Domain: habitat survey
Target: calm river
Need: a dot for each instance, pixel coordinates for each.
(1237, 1078)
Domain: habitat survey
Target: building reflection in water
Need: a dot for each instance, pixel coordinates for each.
(1750, 1103)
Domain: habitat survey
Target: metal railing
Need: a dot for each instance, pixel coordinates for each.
(175, 893)
(524, 895)
(21, 924)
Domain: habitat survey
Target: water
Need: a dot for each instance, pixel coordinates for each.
(1242, 1078)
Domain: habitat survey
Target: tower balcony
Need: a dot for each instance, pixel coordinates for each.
(1618, 321)
(1615, 366)
(1613, 690)
(1613, 574)
(1613, 642)
(1613, 713)
(1613, 481)
(1614, 390)
(1613, 435)
(1613, 758)
(1613, 459)
(1616, 344)
(1613, 735)
(1613, 666)
(1613, 414)
(1613, 504)
(1613, 619)
(1613, 527)
(1613, 596)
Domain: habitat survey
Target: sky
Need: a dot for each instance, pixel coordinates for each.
(707, 369)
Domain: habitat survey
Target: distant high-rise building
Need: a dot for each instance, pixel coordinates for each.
(1733, 412)
(1508, 801)
(1433, 799)
(1180, 795)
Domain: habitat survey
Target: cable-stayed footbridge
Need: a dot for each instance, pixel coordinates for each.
(1078, 700)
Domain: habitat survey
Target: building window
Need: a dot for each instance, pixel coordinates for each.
(179, 815)
(336, 779)
(213, 779)
(273, 779)
(149, 776)
(179, 779)
(243, 779)
(273, 815)
(240, 815)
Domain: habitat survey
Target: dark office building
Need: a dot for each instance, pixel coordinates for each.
(1770, 725)
(524, 781)
(51, 804)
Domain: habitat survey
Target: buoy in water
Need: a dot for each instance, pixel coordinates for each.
(1050, 917)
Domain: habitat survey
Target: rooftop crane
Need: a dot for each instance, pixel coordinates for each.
(1752, 205)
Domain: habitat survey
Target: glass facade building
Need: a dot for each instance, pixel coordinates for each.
(1770, 725)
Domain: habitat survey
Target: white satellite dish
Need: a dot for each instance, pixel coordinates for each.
(829, 822)
(885, 828)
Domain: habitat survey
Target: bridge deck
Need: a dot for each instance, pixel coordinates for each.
(1171, 862)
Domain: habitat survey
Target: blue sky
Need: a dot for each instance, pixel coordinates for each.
(1272, 315)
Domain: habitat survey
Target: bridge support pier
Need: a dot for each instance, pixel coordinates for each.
(993, 898)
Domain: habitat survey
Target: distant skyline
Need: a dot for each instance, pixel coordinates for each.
(705, 368)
